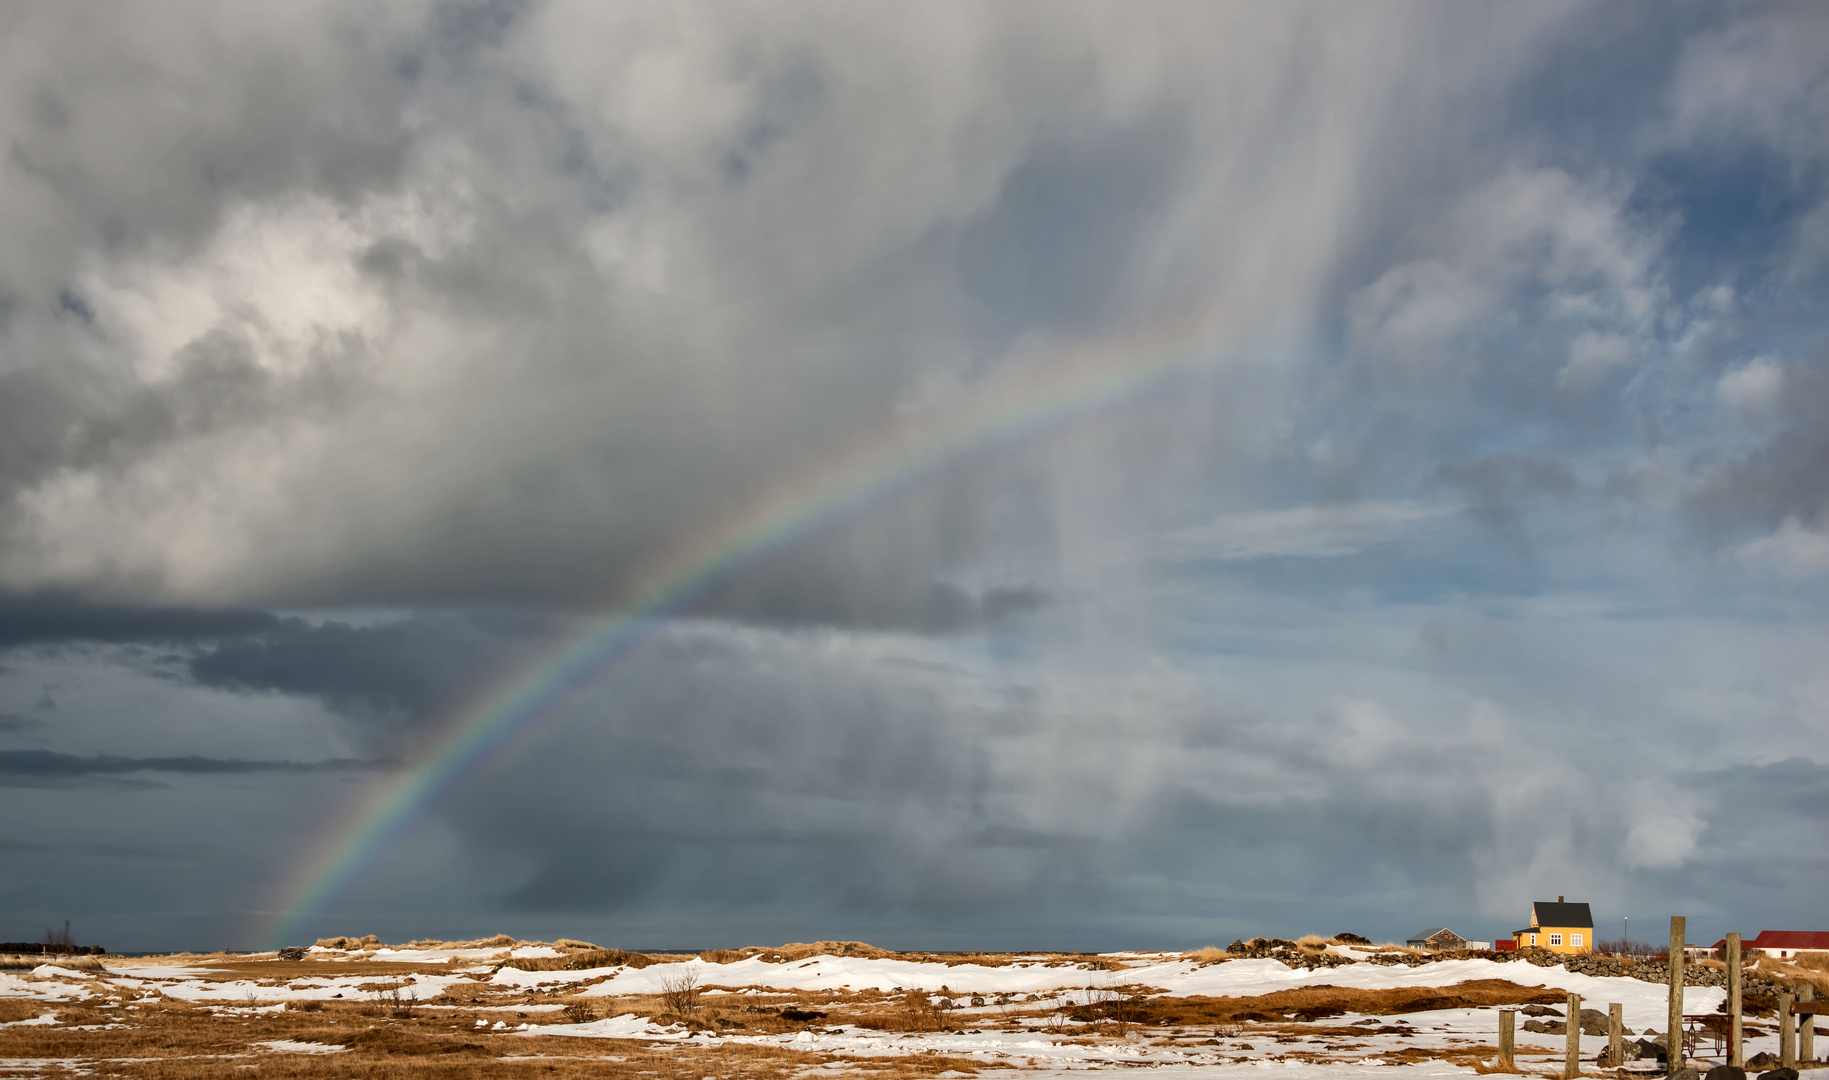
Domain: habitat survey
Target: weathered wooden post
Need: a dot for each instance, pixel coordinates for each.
(1787, 1044)
(1506, 1018)
(1571, 1065)
(1616, 1026)
(1736, 1040)
(1806, 1027)
(1673, 1035)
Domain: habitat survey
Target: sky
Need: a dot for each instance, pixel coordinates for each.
(1065, 475)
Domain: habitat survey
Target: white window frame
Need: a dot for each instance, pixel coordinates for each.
(1555, 939)
(1533, 939)
(1575, 940)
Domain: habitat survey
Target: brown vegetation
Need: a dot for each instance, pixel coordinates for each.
(1319, 1002)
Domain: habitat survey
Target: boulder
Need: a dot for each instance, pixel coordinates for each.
(1761, 1060)
(1779, 1074)
(1547, 1027)
(1686, 1073)
(1648, 1050)
(1725, 1072)
(1594, 1022)
(1629, 1051)
(1540, 1010)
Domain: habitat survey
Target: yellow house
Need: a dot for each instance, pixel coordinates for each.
(1559, 927)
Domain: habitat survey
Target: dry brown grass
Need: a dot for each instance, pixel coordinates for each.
(279, 971)
(12, 1009)
(1791, 973)
(1316, 1002)
(585, 960)
(180, 1041)
(350, 944)
(1312, 943)
(1208, 955)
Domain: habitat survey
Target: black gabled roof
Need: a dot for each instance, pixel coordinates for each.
(1550, 913)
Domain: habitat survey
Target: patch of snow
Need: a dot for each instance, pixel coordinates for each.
(509, 976)
(627, 1026)
(1644, 1002)
(290, 1046)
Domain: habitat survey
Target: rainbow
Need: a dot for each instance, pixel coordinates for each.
(1041, 396)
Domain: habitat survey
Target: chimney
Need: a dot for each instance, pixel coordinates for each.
(1559, 899)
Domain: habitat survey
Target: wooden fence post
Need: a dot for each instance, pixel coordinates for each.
(1616, 1024)
(1736, 1039)
(1506, 1018)
(1787, 1045)
(1806, 1028)
(1673, 1034)
(1571, 1065)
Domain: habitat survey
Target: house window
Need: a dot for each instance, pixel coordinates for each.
(1555, 939)
(1533, 939)
(1575, 940)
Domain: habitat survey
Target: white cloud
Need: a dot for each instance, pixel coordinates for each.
(1592, 357)
(1760, 78)
(1752, 390)
(1664, 826)
(1794, 550)
(1308, 532)
(1534, 252)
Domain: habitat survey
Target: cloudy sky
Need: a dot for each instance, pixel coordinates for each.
(1446, 526)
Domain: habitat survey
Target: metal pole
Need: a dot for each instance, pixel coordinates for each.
(1736, 1039)
(1673, 1034)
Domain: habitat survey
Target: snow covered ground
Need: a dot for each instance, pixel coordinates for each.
(1021, 1018)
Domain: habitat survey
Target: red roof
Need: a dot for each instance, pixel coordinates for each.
(1791, 939)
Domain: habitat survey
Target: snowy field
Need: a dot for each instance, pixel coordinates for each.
(821, 1015)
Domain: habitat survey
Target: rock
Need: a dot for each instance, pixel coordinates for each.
(1648, 1049)
(1761, 1060)
(292, 952)
(1725, 1072)
(1595, 1022)
(1686, 1073)
(1629, 1051)
(1779, 1074)
(1547, 1027)
(1540, 1010)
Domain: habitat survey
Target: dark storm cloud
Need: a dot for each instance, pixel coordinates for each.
(1786, 475)
(43, 768)
(612, 323)
(52, 618)
(415, 666)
